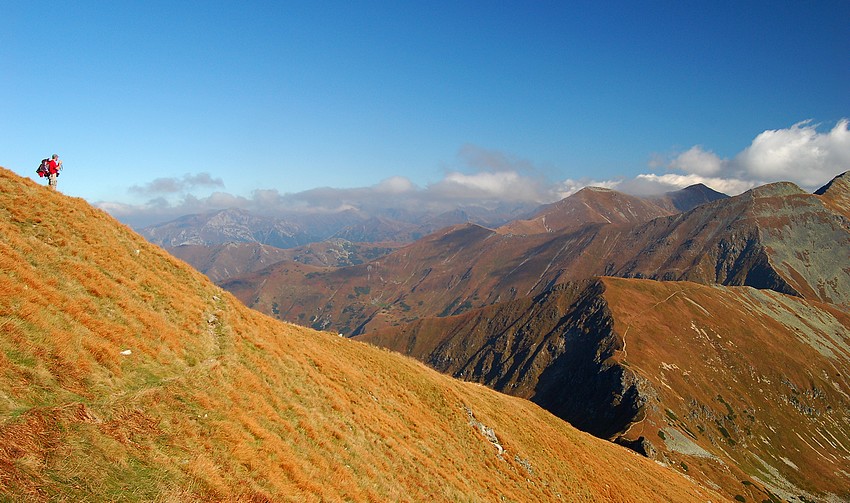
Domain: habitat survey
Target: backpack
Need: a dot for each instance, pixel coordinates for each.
(42, 168)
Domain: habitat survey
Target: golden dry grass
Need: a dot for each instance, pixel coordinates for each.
(216, 402)
(748, 351)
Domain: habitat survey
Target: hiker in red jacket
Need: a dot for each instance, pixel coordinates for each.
(53, 168)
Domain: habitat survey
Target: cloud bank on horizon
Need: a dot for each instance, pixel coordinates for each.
(800, 154)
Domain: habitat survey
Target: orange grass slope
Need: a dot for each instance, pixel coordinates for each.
(745, 390)
(127, 376)
(748, 383)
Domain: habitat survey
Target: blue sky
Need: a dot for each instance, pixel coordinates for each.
(161, 108)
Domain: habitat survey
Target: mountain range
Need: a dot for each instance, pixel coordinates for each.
(127, 376)
(712, 336)
(232, 242)
(225, 261)
(775, 236)
(294, 229)
(705, 340)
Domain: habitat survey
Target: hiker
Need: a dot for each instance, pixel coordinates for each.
(53, 168)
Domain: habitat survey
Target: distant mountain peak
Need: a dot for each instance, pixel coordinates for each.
(692, 196)
(839, 183)
(594, 188)
(700, 188)
(836, 194)
(776, 189)
(590, 205)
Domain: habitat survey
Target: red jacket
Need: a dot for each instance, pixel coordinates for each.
(52, 167)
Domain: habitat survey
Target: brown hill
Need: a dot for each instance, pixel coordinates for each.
(836, 194)
(590, 205)
(222, 262)
(688, 198)
(773, 237)
(595, 205)
(726, 384)
(125, 375)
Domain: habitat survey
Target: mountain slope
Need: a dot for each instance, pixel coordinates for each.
(726, 384)
(836, 194)
(590, 205)
(225, 261)
(774, 237)
(125, 375)
(298, 228)
(595, 205)
(688, 198)
(228, 226)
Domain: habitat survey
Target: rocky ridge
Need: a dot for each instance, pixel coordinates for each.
(229, 260)
(726, 384)
(596, 205)
(293, 229)
(774, 237)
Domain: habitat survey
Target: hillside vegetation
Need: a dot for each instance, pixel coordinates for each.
(740, 388)
(127, 376)
(222, 262)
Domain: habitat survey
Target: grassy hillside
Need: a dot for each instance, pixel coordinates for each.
(740, 388)
(127, 376)
(755, 382)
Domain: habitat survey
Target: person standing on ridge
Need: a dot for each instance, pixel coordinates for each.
(53, 168)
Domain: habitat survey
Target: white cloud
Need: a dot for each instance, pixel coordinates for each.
(492, 178)
(698, 161)
(482, 159)
(504, 185)
(569, 186)
(647, 184)
(799, 154)
(175, 185)
(395, 185)
(487, 175)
